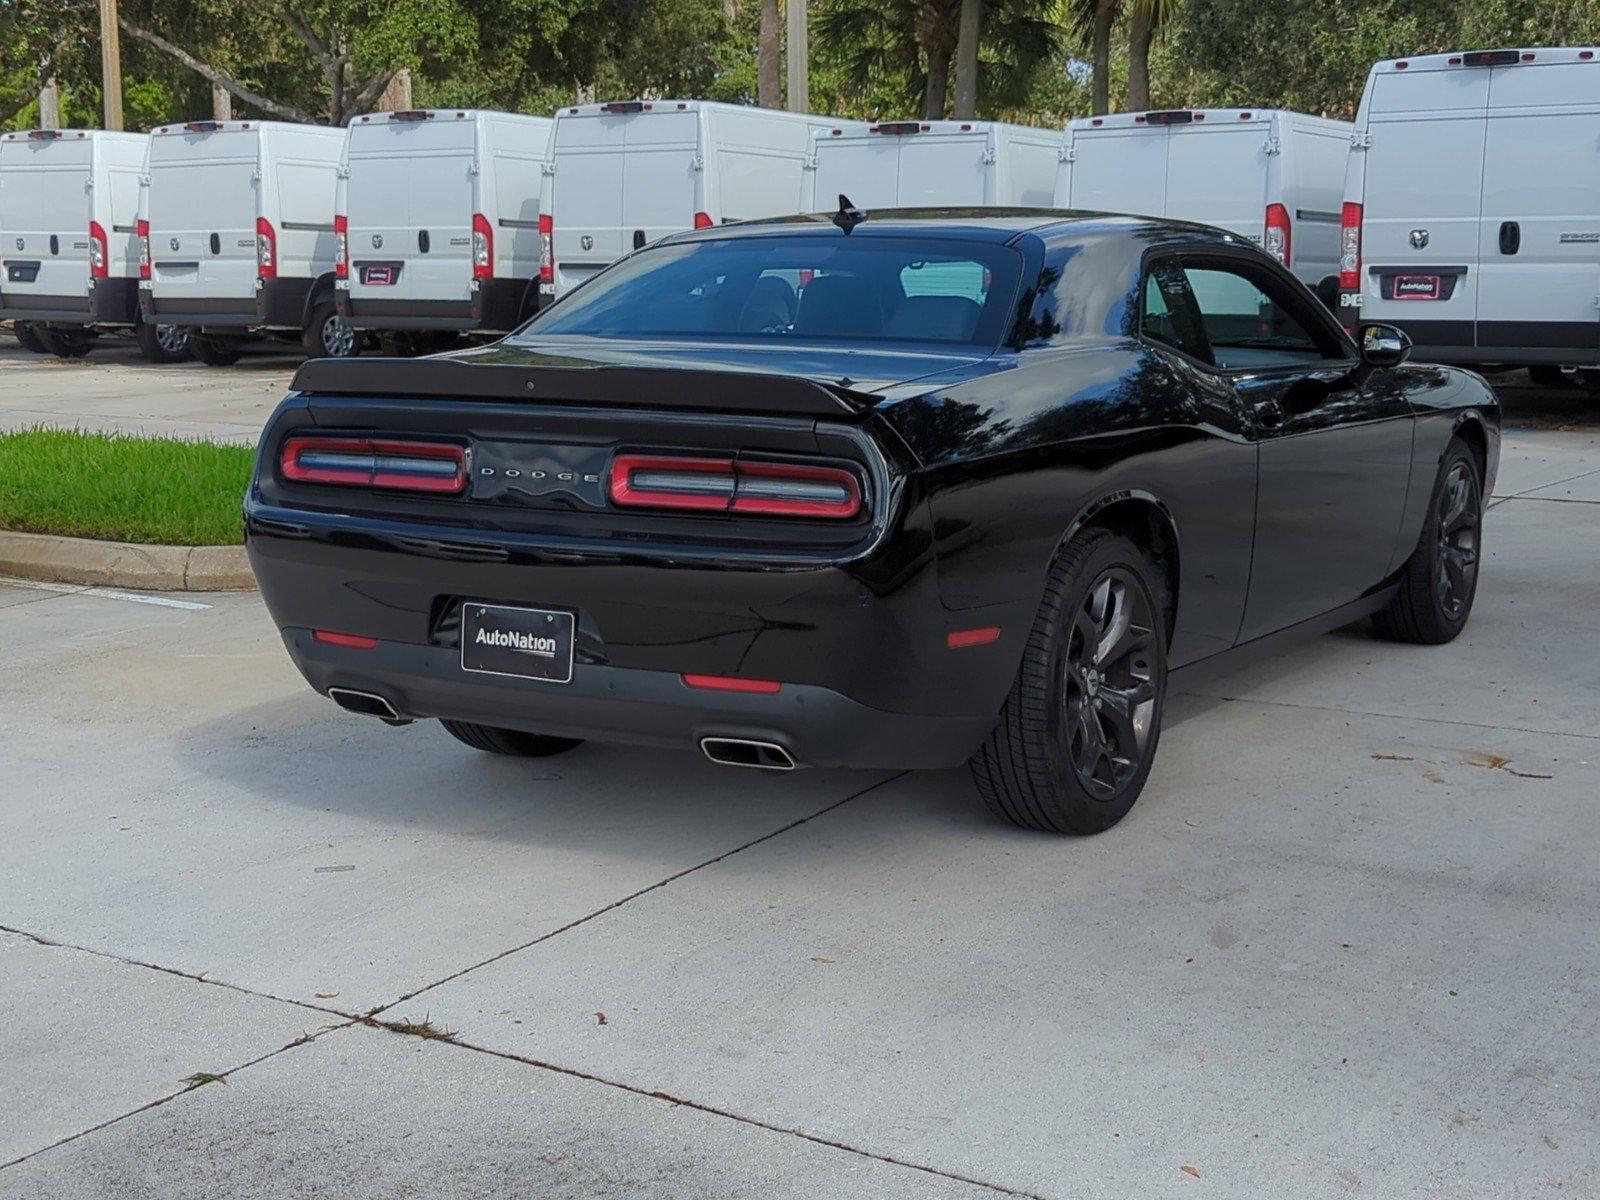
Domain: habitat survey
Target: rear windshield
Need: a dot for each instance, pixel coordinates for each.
(853, 289)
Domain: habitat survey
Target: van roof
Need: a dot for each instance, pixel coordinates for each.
(1156, 118)
(1455, 60)
(66, 135)
(644, 107)
(956, 224)
(184, 127)
(409, 115)
(913, 125)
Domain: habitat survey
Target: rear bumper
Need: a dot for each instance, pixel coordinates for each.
(498, 306)
(112, 302)
(279, 304)
(818, 726)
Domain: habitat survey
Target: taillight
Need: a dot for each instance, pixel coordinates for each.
(703, 221)
(99, 252)
(547, 248)
(1350, 247)
(266, 249)
(143, 229)
(1276, 241)
(375, 463)
(750, 488)
(341, 246)
(482, 248)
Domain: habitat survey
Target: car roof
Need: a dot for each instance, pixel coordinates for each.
(1000, 225)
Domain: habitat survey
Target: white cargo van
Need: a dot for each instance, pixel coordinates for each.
(1472, 207)
(931, 164)
(438, 221)
(1269, 175)
(241, 235)
(69, 203)
(626, 173)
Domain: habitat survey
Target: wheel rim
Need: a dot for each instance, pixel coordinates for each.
(338, 339)
(1456, 574)
(174, 339)
(1109, 689)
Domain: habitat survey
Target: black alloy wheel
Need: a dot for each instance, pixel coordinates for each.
(1107, 694)
(1440, 581)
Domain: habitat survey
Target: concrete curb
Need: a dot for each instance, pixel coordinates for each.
(122, 564)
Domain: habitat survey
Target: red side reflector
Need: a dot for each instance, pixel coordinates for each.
(354, 640)
(729, 683)
(960, 639)
(436, 467)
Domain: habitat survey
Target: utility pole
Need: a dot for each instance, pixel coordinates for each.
(111, 63)
(50, 105)
(799, 59)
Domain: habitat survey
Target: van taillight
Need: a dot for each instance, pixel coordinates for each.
(1277, 240)
(99, 251)
(341, 246)
(1350, 247)
(482, 247)
(547, 248)
(437, 467)
(266, 249)
(703, 220)
(771, 489)
(142, 228)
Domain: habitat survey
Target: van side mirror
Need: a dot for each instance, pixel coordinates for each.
(1384, 346)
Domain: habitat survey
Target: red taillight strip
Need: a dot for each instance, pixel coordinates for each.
(353, 640)
(960, 639)
(740, 486)
(732, 683)
(373, 462)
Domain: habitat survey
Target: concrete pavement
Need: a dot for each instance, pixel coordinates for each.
(1343, 945)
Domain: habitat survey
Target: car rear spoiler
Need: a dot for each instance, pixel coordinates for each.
(691, 388)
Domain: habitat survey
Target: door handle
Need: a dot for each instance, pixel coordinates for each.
(422, 240)
(1510, 237)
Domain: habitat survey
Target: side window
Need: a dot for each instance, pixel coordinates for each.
(1247, 325)
(1168, 314)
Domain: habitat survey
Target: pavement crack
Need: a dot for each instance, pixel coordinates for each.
(632, 896)
(1389, 716)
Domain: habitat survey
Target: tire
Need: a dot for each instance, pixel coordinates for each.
(1440, 579)
(1060, 716)
(66, 343)
(509, 741)
(328, 335)
(215, 352)
(28, 336)
(163, 343)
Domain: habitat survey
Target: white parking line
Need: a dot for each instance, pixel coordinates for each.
(68, 589)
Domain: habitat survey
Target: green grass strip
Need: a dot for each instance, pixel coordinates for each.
(160, 491)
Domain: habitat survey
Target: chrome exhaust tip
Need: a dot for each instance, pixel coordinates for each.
(746, 752)
(368, 704)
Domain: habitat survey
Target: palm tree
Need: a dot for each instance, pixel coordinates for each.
(769, 58)
(1145, 20)
(1091, 21)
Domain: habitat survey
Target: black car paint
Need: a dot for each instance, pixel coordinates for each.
(1273, 512)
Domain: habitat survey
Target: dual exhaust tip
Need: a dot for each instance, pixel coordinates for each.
(725, 751)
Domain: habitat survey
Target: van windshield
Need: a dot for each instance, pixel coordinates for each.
(763, 289)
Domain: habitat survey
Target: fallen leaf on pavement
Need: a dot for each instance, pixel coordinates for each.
(1482, 758)
(600, 1018)
(326, 995)
(1188, 1170)
(817, 958)
(1393, 758)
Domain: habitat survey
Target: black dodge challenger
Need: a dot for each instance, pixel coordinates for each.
(906, 489)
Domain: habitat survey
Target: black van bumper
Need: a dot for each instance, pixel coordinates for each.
(498, 306)
(110, 302)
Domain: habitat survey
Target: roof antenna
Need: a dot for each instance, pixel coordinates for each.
(848, 216)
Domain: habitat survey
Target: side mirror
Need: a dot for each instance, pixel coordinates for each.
(1384, 346)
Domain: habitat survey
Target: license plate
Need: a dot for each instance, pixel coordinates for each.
(1418, 287)
(378, 276)
(529, 643)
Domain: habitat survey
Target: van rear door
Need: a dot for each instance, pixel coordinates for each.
(1217, 175)
(1539, 240)
(623, 179)
(1120, 170)
(864, 167)
(44, 215)
(409, 204)
(943, 169)
(1420, 203)
(203, 209)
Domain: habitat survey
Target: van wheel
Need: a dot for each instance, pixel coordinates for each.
(28, 337)
(509, 741)
(215, 352)
(1440, 579)
(66, 343)
(328, 335)
(163, 343)
(1076, 738)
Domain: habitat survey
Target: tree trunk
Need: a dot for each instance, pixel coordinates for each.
(50, 105)
(969, 33)
(1105, 15)
(1141, 31)
(397, 96)
(938, 83)
(769, 58)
